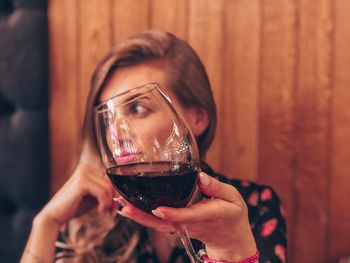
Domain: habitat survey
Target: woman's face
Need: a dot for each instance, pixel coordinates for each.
(126, 78)
(146, 119)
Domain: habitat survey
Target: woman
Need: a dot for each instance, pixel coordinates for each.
(238, 220)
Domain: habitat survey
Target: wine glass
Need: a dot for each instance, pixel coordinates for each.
(149, 152)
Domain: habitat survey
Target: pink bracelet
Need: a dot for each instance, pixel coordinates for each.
(252, 259)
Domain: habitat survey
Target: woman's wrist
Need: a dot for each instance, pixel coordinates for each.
(252, 259)
(238, 255)
(41, 243)
(44, 220)
(234, 250)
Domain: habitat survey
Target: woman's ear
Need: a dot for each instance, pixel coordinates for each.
(198, 119)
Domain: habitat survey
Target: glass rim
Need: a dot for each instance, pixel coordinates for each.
(102, 106)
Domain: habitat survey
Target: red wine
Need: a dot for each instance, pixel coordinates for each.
(150, 185)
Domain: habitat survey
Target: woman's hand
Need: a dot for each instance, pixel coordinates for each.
(220, 222)
(88, 187)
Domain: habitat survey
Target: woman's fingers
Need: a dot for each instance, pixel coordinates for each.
(98, 191)
(214, 188)
(92, 182)
(206, 210)
(87, 188)
(144, 218)
(225, 201)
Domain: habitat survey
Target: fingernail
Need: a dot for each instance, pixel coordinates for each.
(120, 201)
(204, 179)
(158, 214)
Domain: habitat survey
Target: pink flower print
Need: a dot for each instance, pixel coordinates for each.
(268, 227)
(283, 211)
(245, 184)
(280, 251)
(266, 195)
(253, 198)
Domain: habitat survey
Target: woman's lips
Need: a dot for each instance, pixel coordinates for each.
(124, 157)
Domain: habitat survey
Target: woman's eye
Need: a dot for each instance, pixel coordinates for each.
(139, 110)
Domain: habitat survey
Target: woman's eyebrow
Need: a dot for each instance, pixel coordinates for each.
(131, 98)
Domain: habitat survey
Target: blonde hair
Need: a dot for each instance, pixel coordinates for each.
(186, 76)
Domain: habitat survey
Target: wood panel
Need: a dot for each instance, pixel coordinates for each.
(205, 35)
(240, 89)
(95, 39)
(312, 130)
(129, 18)
(64, 92)
(171, 16)
(339, 223)
(277, 104)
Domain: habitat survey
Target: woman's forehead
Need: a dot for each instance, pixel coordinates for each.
(129, 77)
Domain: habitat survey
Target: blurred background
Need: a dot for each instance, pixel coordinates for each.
(24, 129)
(280, 72)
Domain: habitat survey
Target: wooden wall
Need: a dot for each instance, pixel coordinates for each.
(280, 71)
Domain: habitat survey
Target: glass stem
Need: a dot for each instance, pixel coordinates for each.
(186, 242)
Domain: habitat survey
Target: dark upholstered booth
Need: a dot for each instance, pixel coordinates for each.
(24, 150)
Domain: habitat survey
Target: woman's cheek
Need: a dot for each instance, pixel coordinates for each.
(154, 134)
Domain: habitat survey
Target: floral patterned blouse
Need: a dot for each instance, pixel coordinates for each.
(266, 220)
